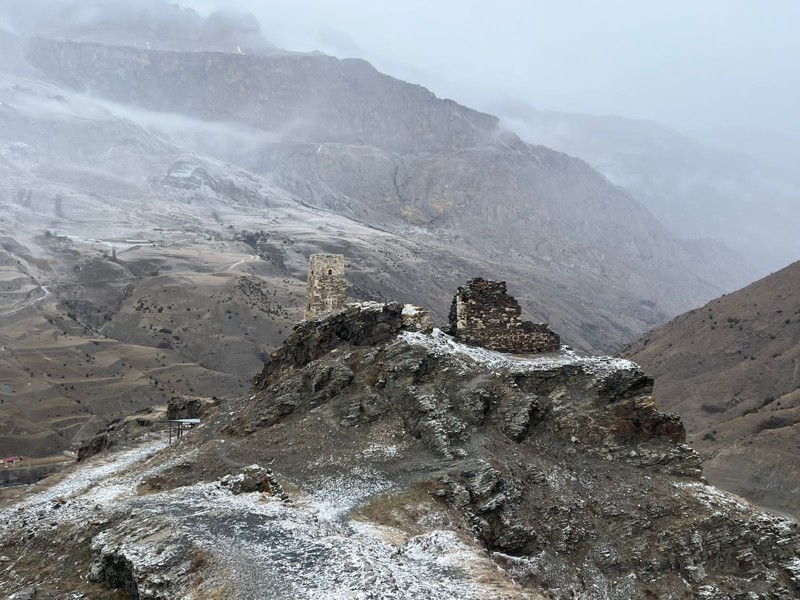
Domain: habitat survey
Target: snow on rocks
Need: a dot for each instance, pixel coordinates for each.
(439, 343)
(416, 319)
(793, 568)
(91, 484)
(712, 497)
(335, 496)
(204, 537)
(298, 551)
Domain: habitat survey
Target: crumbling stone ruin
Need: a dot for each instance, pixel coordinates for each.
(327, 289)
(483, 314)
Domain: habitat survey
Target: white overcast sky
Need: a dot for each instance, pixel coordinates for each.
(693, 64)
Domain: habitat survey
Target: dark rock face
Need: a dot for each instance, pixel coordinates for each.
(93, 446)
(562, 466)
(116, 561)
(483, 314)
(115, 571)
(187, 407)
(312, 339)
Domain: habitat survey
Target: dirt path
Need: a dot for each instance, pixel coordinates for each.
(250, 258)
(30, 301)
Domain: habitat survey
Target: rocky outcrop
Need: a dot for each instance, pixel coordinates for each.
(146, 565)
(422, 468)
(190, 407)
(93, 445)
(562, 466)
(356, 325)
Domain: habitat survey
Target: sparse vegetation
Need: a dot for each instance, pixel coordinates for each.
(772, 422)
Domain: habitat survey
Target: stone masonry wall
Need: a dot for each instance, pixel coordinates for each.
(327, 288)
(483, 314)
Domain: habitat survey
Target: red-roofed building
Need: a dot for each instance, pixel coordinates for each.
(10, 460)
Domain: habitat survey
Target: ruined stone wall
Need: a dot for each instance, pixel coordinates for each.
(327, 288)
(483, 314)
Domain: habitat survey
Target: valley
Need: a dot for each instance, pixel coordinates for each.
(157, 246)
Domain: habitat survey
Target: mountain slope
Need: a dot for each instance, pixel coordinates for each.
(521, 477)
(134, 270)
(404, 160)
(698, 191)
(732, 369)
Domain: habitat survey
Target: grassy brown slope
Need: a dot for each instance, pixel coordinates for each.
(732, 370)
(106, 342)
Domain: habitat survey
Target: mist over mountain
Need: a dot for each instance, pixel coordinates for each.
(140, 23)
(201, 151)
(697, 190)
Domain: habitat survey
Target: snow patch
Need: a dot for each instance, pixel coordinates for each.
(336, 496)
(374, 451)
(439, 343)
(409, 310)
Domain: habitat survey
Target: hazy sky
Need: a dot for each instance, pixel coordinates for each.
(694, 64)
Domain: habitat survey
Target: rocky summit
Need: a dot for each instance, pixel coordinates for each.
(393, 461)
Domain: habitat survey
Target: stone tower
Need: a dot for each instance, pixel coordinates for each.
(327, 289)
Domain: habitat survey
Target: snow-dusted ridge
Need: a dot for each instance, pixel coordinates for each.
(254, 542)
(439, 343)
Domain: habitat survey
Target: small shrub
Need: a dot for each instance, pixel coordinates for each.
(772, 422)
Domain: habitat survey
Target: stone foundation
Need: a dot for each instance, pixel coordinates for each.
(483, 314)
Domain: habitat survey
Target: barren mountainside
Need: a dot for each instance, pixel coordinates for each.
(732, 370)
(353, 141)
(728, 200)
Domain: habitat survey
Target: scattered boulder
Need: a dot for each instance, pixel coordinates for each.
(93, 446)
(255, 479)
(190, 407)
